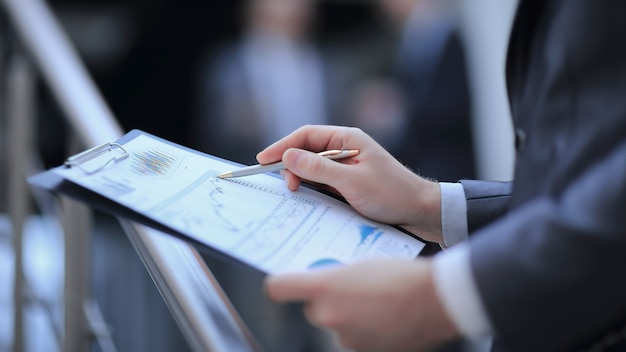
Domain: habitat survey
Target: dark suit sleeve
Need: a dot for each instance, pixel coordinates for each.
(486, 201)
(552, 273)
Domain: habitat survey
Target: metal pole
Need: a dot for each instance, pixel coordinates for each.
(20, 106)
(76, 224)
(63, 71)
(93, 124)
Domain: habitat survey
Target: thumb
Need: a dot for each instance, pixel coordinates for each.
(312, 167)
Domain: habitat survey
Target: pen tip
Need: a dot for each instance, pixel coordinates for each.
(225, 175)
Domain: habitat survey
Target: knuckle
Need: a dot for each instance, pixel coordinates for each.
(355, 129)
(317, 165)
(305, 128)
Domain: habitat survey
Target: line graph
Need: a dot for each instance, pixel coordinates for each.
(265, 232)
(238, 215)
(274, 228)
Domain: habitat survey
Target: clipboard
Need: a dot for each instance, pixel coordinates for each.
(144, 159)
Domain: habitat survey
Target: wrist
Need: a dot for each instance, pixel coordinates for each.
(443, 327)
(424, 219)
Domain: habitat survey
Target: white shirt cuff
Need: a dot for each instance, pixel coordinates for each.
(453, 213)
(457, 290)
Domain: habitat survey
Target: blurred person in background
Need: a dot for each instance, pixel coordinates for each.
(434, 136)
(270, 82)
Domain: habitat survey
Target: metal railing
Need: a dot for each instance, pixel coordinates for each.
(196, 301)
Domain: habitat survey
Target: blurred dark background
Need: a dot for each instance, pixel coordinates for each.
(145, 54)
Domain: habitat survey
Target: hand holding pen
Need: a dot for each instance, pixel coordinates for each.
(261, 168)
(375, 183)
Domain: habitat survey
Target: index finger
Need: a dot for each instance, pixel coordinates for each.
(311, 138)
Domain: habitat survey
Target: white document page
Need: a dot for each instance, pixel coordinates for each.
(254, 218)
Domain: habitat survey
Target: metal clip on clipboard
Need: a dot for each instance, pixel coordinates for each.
(92, 155)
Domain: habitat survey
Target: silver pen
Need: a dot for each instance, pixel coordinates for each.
(257, 169)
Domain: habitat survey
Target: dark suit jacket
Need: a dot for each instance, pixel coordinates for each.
(548, 251)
